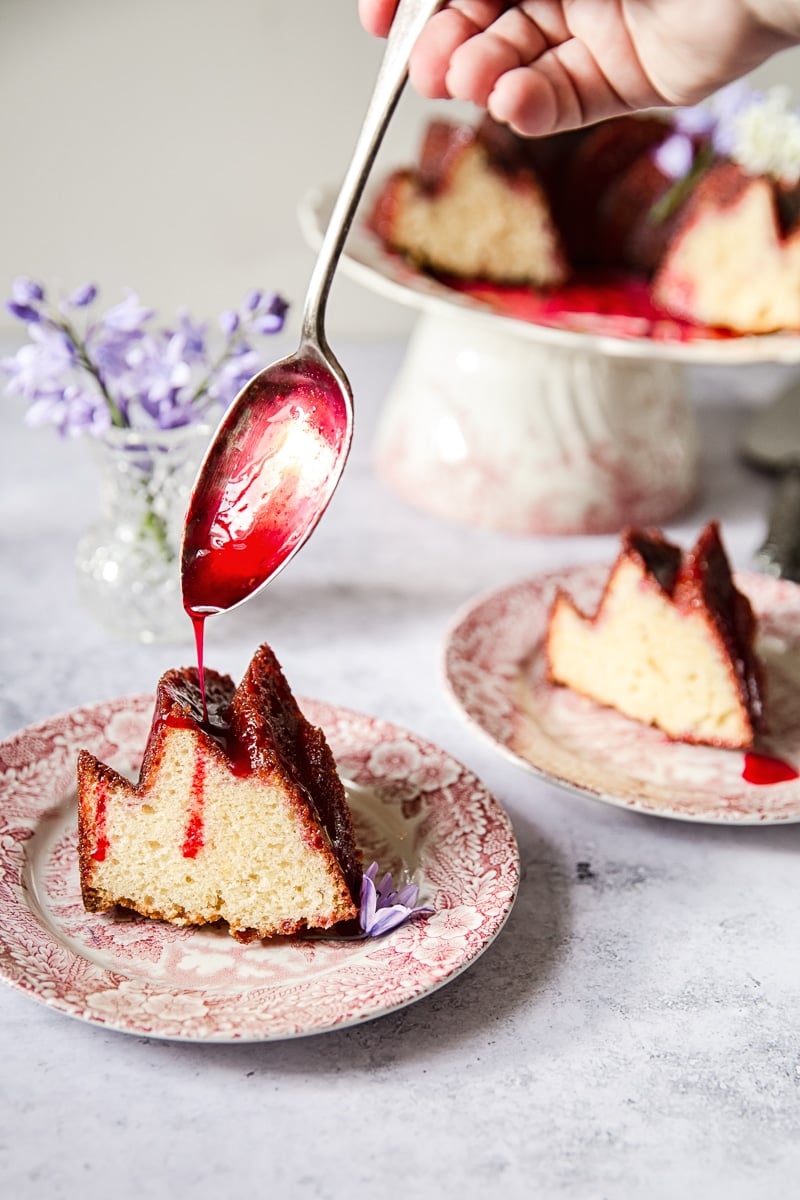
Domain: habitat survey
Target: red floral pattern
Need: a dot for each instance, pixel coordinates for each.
(496, 673)
(416, 810)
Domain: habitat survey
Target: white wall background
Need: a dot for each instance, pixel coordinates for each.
(164, 145)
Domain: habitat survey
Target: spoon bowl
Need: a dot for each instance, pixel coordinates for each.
(266, 480)
(278, 454)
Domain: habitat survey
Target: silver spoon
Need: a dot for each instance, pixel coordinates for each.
(280, 450)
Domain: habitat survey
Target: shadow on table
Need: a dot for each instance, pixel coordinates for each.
(780, 837)
(507, 976)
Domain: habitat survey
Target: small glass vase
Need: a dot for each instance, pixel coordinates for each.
(128, 563)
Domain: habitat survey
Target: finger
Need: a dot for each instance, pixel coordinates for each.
(377, 15)
(443, 34)
(614, 54)
(563, 89)
(512, 41)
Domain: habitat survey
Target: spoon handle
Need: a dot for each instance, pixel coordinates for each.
(409, 20)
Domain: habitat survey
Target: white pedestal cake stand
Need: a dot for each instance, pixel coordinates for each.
(512, 426)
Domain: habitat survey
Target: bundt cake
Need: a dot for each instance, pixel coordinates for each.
(238, 814)
(719, 244)
(670, 644)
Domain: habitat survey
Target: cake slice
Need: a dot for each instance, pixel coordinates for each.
(670, 644)
(466, 212)
(734, 260)
(240, 817)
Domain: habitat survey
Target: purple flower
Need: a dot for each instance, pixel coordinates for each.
(273, 315)
(157, 374)
(233, 375)
(83, 296)
(108, 349)
(26, 291)
(272, 323)
(193, 335)
(229, 322)
(383, 908)
(73, 411)
(675, 156)
(42, 364)
(128, 316)
(24, 312)
(695, 120)
(119, 371)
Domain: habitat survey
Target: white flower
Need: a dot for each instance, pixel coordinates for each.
(766, 137)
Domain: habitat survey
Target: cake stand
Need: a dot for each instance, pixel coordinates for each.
(525, 428)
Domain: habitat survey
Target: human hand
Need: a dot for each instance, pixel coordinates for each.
(546, 65)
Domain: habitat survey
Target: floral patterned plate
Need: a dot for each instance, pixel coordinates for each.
(495, 671)
(417, 812)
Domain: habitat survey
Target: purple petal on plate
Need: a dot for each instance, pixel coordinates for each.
(407, 895)
(387, 919)
(368, 903)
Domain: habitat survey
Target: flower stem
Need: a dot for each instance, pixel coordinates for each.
(223, 356)
(668, 204)
(78, 345)
(154, 526)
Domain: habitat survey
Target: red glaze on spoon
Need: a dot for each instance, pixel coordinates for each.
(266, 481)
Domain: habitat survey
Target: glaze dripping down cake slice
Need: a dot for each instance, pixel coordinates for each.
(670, 644)
(241, 817)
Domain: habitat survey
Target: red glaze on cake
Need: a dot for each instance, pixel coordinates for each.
(671, 642)
(241, 817)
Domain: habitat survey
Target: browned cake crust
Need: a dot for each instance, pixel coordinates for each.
(702, 579)
(698, 583)
(705, 580)
(266, 722)
(659, 557)
(257, 731)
